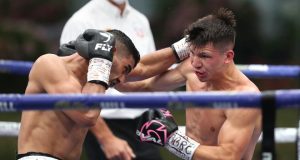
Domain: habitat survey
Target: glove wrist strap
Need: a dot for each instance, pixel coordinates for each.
(180, 49)
(181, 145)
(99, 71)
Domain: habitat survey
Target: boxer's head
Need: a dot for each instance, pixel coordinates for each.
(212, 40)
(217, 28)
(126, 56)
(126, 53)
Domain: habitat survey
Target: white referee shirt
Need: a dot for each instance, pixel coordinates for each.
(101, 14)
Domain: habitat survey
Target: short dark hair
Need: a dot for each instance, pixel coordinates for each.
(218, 28)
(124, 39)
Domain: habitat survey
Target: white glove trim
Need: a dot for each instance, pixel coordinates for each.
(99, 70)
(181, 145)
(181, 49)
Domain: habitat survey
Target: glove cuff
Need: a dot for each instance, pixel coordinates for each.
(180, 49)
(181, 145)
(99, 71)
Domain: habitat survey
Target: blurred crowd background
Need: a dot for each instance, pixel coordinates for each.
(268, 32)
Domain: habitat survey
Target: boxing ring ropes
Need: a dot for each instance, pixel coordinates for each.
(269, 101)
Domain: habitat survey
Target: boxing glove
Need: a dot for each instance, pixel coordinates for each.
(180, 49)
(97, 46)
(67, 49)
(158, 127)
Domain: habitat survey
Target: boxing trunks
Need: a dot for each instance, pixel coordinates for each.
(36, 156)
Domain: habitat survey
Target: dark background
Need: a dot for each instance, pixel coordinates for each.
(268, 32)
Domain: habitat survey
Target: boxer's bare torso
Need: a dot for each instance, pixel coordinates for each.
(55, 132)
(208, 125)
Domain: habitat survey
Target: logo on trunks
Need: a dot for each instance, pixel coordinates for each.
(7, 106)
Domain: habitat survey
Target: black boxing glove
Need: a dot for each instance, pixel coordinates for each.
(158, 127)
(180, 49)
(97, 46)
(67, 49)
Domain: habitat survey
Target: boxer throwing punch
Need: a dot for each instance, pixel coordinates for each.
(123, 57)
(211, 134)
(97, 65)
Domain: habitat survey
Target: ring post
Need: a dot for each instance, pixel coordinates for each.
(298, 141)
(268, 124)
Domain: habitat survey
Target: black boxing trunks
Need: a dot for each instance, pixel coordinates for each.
(36, 156)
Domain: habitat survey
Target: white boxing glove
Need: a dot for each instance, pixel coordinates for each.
(181, 49)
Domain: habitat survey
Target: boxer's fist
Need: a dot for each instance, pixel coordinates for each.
(156, 126)
(95, 43)
(66, 49)
(97, 46)
(181, 49)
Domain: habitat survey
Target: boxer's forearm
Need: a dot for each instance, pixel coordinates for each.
(101, 130)
(153, 64)
(225, 151)
(86, 117)
(90, 88)
(138, 86)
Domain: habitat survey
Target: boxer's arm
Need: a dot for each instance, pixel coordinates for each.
(159, 61)
(153, 64)
(50, 74)
(166, 81)
(85, 117)
(235, 136)
(112, 146)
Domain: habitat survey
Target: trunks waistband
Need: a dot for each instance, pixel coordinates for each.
(35, 155)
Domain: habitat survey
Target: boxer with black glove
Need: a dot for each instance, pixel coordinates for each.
(158, 127)
(97, 46)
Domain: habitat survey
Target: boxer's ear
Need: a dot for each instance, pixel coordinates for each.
(229, 55)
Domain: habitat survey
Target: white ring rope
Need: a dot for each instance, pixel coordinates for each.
(282, 135)
(9, 129)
